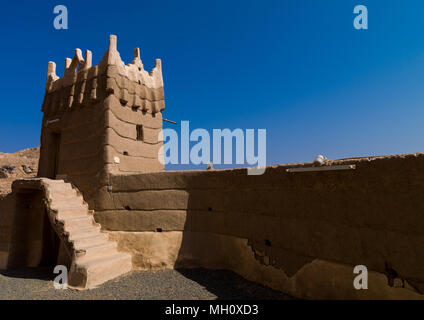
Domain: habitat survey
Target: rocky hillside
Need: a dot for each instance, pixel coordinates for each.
(16, 165)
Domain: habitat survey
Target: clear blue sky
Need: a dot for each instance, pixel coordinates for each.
(297, 68)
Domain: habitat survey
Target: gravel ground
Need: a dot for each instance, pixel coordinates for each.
(186, 284)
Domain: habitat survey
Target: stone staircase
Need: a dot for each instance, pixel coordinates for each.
(95, 258)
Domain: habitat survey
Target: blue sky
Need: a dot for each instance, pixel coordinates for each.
(297, 68)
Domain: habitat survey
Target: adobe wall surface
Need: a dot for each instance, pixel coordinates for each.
(27, 242)
(320, 279)
(134, 156)
(288, 221)
(22, 231)
(7, 212)
(81, 149)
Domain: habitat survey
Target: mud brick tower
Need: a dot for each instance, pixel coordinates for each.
(101, 120)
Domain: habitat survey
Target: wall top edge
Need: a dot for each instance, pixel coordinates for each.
(79, 67)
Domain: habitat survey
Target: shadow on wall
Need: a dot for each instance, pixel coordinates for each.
(7, 209)
(33, 242)
(226, 285)
(235, 221)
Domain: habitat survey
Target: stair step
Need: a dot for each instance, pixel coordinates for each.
(80, 235)
(76, 232)
(102, 269)
(94, 261)
(69, 199)
(69, 213)
(67, 194)
(72, 217)
(69, 207)
(102, 249)
(69, 203)
(89, 233)
(77, 222)
(90, 240)
(61, 187)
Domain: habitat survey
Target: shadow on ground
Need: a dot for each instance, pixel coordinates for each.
(182, 284)
(44, 273)
(228, 285)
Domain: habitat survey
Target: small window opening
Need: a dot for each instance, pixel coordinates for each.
(125, 153)
(158, 229)
(267, 243)
(140, 133)
(127, 208)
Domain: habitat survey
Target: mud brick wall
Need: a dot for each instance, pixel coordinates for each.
(121, 139)
(7, 210)
(80, 149)
(373, 215)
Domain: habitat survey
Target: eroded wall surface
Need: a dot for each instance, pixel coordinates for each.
(369, 216)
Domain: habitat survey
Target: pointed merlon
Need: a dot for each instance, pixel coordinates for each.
(137, 60)
(77, 60)
(158, 64)
(51, 74)
(88, 59)
(51, 69)
(111, 56)
(78, 54)
(112, 42)
(137, 54)
(67, 63)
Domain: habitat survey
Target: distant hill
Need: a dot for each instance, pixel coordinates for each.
(16, 165)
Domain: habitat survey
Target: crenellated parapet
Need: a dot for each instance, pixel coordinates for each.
(83, 84)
